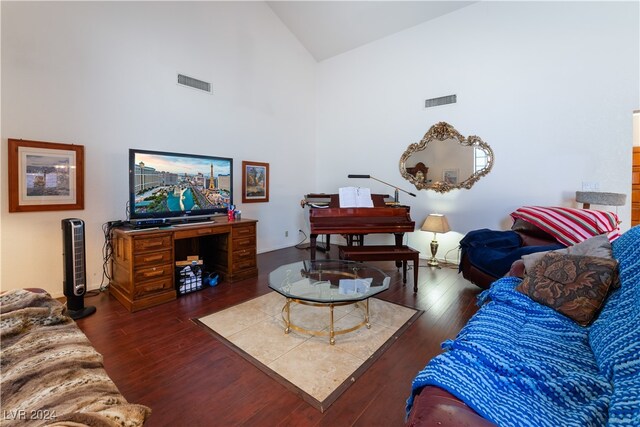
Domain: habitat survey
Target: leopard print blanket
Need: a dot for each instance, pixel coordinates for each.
(51, 374)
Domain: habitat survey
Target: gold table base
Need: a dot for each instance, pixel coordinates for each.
(332, 332)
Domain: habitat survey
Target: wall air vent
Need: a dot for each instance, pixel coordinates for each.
(194, 83)
(443, 100)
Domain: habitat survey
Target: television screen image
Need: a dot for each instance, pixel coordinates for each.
(169, 185)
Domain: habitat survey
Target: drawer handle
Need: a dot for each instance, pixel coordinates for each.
(154, 273)
(153, 258)
(153, 244)
(155, 288)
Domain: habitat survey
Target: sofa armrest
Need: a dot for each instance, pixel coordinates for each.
(475, 275)
(517, 269)
(435, 407)
(528, 240)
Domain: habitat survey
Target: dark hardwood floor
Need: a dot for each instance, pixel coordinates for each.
(160, 358)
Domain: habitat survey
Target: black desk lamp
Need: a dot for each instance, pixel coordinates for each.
(396, 196)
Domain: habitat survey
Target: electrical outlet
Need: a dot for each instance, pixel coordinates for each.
(590, 186)
(286, 233)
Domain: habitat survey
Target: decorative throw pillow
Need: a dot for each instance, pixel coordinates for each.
(598, 246)
(574, 285)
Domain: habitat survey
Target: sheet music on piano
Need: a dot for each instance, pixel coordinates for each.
(355, 197)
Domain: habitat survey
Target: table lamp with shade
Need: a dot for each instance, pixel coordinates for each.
(436, 223)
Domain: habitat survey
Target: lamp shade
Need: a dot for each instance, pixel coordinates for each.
(436, 223)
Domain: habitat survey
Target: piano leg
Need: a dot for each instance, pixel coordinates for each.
(399, 237)
(313, 241)
(312, 245)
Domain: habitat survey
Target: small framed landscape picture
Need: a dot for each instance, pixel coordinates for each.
(45, 176)
(255, 182)
(450, 176)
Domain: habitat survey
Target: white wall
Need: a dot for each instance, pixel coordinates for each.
(551, 87)
(103, 75)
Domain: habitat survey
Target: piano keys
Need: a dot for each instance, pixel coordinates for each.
(326, 217)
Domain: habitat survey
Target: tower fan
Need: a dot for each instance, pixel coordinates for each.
(75, 275)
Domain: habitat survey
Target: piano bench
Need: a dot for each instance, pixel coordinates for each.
(385, 253)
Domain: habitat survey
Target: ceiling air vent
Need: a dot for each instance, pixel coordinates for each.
(443, 100)
(194, 83)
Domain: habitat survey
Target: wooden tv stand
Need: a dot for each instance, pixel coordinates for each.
(143, 263)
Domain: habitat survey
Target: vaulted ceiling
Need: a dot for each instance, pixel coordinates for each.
(329, 28)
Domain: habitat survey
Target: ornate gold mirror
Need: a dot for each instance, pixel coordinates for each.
(444, 160)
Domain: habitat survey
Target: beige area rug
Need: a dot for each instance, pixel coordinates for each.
(307, 364)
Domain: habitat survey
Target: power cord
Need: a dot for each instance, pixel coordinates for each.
(451, 264)
(107, 253)
(299, 245)
(321, 245)
(442, 264)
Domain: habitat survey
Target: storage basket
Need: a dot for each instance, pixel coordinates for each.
(188, 278)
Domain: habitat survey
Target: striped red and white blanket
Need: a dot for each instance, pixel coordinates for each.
(569, 225)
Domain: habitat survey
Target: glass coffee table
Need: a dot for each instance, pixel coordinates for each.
(327, 283)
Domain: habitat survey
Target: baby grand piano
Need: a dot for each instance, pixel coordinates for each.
(326, 217)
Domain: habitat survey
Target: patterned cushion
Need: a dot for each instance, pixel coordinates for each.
(595, 246)
(574, 285)
(570, 226)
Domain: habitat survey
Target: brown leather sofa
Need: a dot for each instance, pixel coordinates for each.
(530, 235)
(435, 407)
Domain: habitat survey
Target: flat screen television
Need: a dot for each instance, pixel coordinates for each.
(177, 186)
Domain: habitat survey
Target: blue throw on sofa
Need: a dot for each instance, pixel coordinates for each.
(493, 252)
(519, 363)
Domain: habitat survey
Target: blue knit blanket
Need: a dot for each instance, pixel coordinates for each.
(518, 363)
